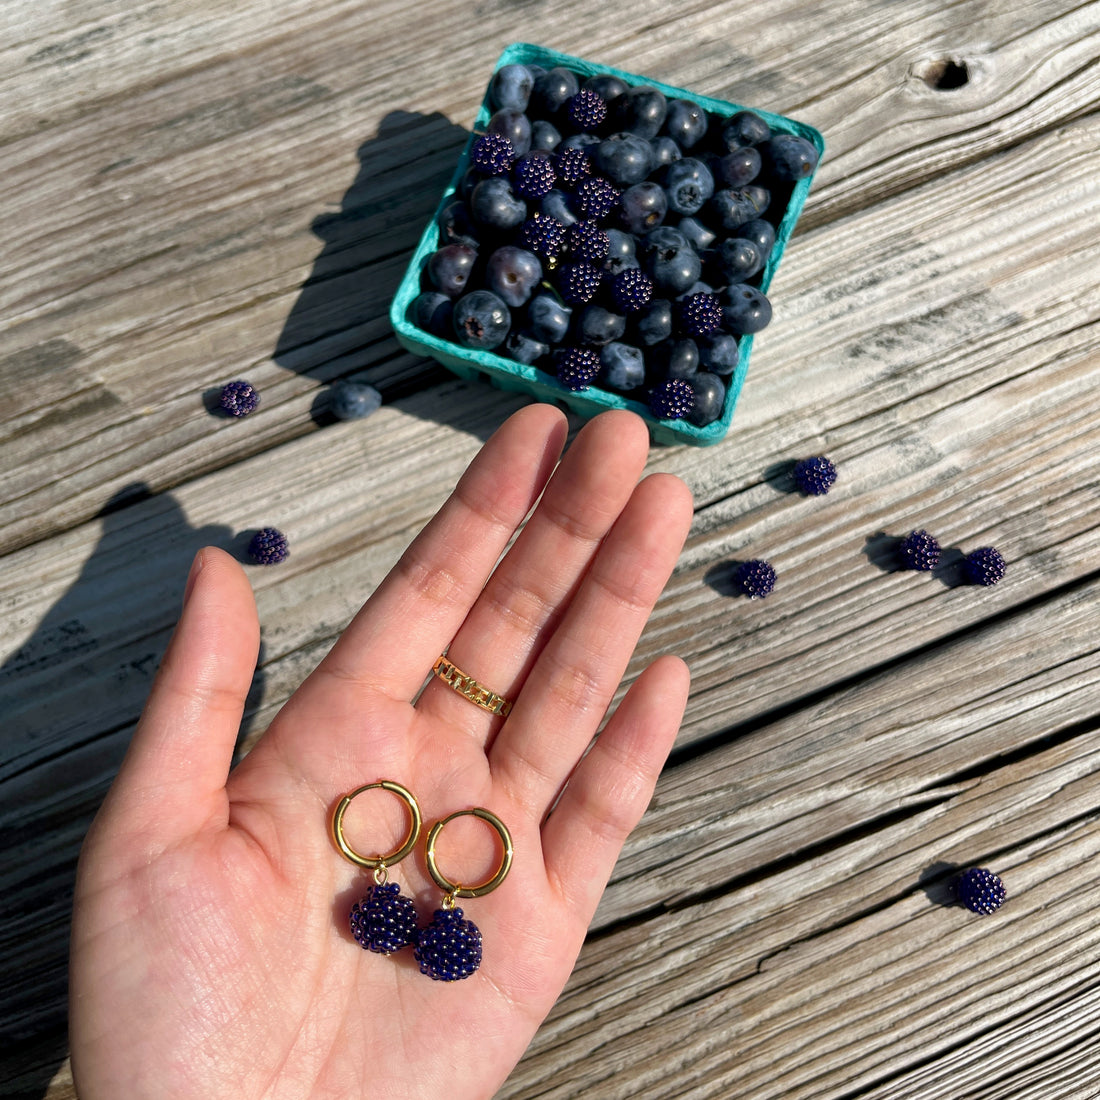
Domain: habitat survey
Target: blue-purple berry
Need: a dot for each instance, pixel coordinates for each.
(574, 165)
(383, 920)
(586, 110)
(353, 400)
(920, 551)
(596, 198)
(587, 241)
(631, 289)
(543, 235)
(981, 891)
(984, 566)
(578, 282)
(814, 476)
(672, 399)
(238, 398)
(449, 948)
(533, 175)
(492, 154)
(700, 314)
(755, 578)
(268, 546)
(577, 367)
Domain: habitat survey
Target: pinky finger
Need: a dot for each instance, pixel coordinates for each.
(611, 787)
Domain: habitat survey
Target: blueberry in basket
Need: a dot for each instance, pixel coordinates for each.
(608, 241)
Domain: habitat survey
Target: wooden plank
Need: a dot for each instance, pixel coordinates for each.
(835, 975)
(179, 265)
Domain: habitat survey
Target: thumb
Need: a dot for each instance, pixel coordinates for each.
(172, 781)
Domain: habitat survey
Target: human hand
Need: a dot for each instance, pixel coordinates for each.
(211, 955)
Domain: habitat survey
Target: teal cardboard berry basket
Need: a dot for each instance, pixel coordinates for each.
(507, 374)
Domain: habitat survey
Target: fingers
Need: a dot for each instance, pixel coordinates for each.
(611, 788)
(525, 597)
(392, 643)
(566, 695)
(172, 781)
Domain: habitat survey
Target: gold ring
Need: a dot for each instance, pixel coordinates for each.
(398, 854)
(469, 688)
(453, 889)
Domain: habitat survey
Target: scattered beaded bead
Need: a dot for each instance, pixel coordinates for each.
(981, 891)
(383, 920)
(587, 241)
(700, 314)
(239, 398)
(631, 289)
(577, 367)
(534, 175)
(814, 476)
(984, 566)
(449, 948)
(596, 198)
(492, 154)
(579, 282)
(755, 578)
(587, 110)
(919, 550)
(574, 165)
(268, 546)
(543, 235)
(672, 400)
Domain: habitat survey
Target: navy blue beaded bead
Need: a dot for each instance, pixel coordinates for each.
(984, 566)
(919, 550)
(981, 891)
(755, 578)
(586, 110)
(700, 314)
(596, 198)
(814, 476)
(672, 400)
(577, 367)
(492, 154)
(238, 398)
(268, 546)
(534, 175)
(574, 165)
(449, 948)
(543, 235)
(383, 920)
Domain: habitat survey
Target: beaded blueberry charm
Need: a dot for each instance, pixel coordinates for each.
(383, 920)
(981, 891)
(449, 948)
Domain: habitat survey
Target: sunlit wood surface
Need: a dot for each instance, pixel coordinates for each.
(230, 188)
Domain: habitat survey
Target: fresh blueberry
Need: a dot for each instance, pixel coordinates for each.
(606, 86)
(670, 260)
(548, 319)
(643, 207)
(456, 226)
(685, 122)
(495, 205)
(511, 87)
(760, 232)
(688, 184)
(449, 268)
(675, 359)
(620, 251)
(481, 320)
(710, 399)
(596, 326)
(622, 366)
(624, 159)
(353, 400)
(525, 348)
(431, 311)
(738, 167)
(732, 208)
(653, 322)
(792, 157)
(745, 309)
(641, 110)
(512, 274)
(745, 128)
(665, 151)
(759, 196)
(553, 89)
(544, 135)
(698, 235)
(515, 126)
(579, 141)
(719, 353)
(738, 259)
(555, 204)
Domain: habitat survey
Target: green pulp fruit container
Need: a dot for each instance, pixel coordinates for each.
(507, 374)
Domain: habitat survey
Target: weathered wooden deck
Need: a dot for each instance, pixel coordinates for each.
(228, 188)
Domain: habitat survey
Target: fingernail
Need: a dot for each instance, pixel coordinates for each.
(192, 576)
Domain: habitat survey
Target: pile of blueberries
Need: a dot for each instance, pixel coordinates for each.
(612, 237)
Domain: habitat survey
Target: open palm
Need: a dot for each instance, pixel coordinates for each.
(211, 951)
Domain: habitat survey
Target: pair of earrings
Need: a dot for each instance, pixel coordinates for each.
(384, 920)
